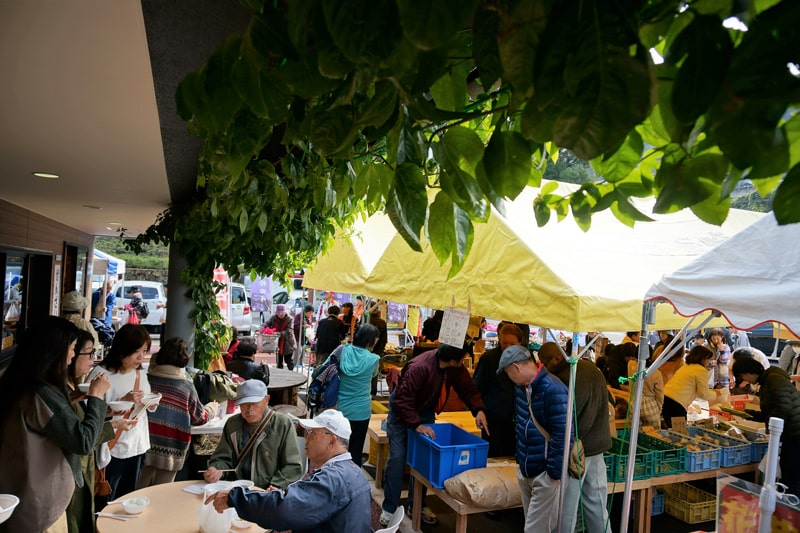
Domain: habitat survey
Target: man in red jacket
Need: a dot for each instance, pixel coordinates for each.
(421, 392)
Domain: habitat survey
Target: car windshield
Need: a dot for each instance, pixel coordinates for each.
(148, 293)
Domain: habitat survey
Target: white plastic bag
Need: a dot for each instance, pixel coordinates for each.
(210, 520)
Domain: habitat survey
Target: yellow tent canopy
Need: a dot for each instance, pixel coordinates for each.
(553, 276)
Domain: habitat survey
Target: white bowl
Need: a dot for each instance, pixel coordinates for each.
(120, 405)
(246, 483)
(84, 387)
(7, 502)
(135, 505)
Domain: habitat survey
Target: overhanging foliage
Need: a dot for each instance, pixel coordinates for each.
(323, 109)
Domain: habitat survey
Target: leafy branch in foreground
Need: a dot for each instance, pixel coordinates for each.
(325, 109)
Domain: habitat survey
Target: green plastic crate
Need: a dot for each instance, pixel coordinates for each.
(668, 457)
(643, 461)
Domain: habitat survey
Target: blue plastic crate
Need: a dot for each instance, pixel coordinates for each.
(707, 458)
(733, 451)
(453, 452)
(658, 504)
(759, 443)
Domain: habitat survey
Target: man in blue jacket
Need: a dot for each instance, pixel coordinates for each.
(539, 456)
(333, 498)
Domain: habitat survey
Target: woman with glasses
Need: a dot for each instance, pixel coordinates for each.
(80, 513)
(42, 437)
(123, 366)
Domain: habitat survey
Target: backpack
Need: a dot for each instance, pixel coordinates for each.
(323, 393)
(202, 383)
(261, 373)
(143, 310)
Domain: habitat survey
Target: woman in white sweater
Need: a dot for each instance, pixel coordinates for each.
(123, 365)
(689, 382)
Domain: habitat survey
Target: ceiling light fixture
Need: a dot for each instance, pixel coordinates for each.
(96, 207)
(46, 175)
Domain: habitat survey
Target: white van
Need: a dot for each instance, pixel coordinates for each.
(153, 295)
(240, 317)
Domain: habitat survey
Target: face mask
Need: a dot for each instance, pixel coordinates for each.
(796, 349)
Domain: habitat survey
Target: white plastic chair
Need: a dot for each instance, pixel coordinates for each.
(394, 523)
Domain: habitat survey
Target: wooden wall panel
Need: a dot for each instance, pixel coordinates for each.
(20, 228)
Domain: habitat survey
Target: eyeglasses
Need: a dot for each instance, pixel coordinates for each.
(95, 354)
(311, 432)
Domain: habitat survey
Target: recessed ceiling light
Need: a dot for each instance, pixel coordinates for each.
(96, 207)
(115, 223)
(47, 175)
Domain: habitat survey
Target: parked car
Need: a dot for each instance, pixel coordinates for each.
(240, 317)
(153, 295)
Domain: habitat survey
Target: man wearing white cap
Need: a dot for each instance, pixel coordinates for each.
(333, 498)
(259, 444)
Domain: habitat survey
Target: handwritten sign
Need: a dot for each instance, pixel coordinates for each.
(454, 327)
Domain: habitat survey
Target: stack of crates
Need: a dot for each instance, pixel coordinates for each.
(707, 457)
(668, 458)
(616, 466)
(733, 451)
(690, 504)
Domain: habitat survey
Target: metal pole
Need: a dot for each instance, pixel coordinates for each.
(644, 354)
(766, 501)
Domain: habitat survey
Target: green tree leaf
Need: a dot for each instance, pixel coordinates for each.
(450, 91)
(788, 198)
(408, 204)
(618, 165)
(441, 227)
(507, 162)
(485, 48)
(458, 153)
(703, 50)
(364, 30)
(430, 25)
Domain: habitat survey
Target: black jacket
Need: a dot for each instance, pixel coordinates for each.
(780, 399)
(330, 332)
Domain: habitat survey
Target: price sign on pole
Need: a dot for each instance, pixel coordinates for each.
(454, 327)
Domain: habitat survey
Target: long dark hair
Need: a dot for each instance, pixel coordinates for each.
(83, 337)
(365, 335)
(128, 339)
(41, 358)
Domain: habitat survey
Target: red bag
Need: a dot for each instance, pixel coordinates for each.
(133, 316)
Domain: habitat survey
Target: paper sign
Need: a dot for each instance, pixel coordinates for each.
(454, 327)
(679, 425)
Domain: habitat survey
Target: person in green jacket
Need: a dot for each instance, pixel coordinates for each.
(273, 461)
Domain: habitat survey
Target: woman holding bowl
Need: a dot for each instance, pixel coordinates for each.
(80, 513)
(123, 366)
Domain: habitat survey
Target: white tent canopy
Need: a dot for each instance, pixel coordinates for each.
(752, 278)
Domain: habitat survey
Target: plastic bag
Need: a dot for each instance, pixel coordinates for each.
(210, 520)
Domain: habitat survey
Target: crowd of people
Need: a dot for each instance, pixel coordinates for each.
(66, 452)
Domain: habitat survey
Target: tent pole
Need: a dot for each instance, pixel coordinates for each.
(766, 502)
(644, 353)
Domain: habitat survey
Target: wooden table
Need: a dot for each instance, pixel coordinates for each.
(643, 489)
(462, 419)
(171, 509)
(283, 385)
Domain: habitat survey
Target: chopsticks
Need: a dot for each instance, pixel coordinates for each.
(123, 517)
(219, 470)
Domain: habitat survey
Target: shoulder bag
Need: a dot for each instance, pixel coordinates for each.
(577, 457)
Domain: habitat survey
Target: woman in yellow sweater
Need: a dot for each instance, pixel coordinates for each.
(689, 382)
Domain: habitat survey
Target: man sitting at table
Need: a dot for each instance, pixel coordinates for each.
(258, 444)
(334, 497)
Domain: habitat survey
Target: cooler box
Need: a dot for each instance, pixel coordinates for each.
(453, 452)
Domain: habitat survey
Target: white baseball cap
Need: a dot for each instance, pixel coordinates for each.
(332, 420)
(251, 391)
